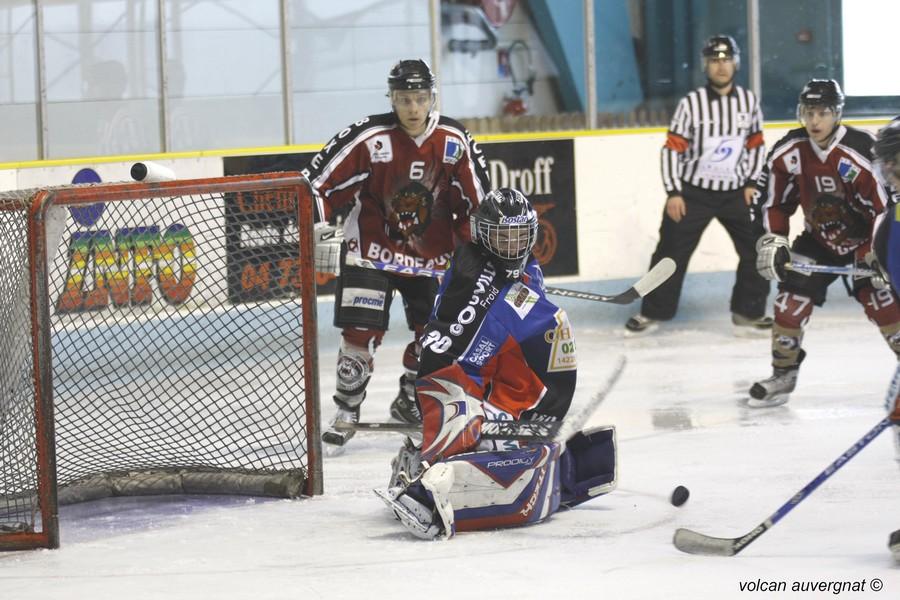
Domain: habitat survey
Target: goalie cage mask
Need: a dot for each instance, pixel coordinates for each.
(505, 224)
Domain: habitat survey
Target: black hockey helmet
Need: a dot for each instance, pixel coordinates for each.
(887, 147)
(722, 46)
(411, 74)
(822, 92)
(505, 224)
(887, 144)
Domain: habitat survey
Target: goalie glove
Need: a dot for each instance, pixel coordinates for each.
(772, 254)
(328, 239)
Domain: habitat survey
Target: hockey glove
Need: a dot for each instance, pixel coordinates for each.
(772, 254)
(328, 240)
(880, 280)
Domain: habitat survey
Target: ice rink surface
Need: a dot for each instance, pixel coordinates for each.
(681, 417)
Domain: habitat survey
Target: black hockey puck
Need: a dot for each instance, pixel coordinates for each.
(679, 495)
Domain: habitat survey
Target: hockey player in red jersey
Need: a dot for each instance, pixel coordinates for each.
(824, 168)
(495, 348)
(404, 183)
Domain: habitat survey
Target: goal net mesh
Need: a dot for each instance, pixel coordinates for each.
(177, 359)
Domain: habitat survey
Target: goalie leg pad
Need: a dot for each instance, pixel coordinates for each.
(588, 468)
(505, 489)
(451, 413)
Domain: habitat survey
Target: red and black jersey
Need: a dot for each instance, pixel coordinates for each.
(405, 200)
(836, 188)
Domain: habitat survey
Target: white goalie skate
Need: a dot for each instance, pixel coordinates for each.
(426, 518)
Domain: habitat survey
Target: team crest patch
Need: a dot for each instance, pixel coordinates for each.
(521, 298)
(562, 345)
(453, 150)
(380, 149)
(743, 119)
(847, 170)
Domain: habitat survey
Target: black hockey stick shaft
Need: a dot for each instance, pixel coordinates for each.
(558, 431)
(660, 272)
(490, 430)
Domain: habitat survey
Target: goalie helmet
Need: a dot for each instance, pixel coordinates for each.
(505, 225)
(722, 46)
(414, 74)
(823, 93)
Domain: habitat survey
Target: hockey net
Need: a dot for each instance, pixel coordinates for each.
(156, 339)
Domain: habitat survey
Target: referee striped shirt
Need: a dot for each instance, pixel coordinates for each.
(715, 142)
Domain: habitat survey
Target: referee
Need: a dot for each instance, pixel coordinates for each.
(714, 152)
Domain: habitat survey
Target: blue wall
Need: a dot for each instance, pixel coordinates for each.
(560, 24)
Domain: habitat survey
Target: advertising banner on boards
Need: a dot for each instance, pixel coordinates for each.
(543, 170)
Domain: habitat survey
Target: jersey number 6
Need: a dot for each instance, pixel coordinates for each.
(417, 169)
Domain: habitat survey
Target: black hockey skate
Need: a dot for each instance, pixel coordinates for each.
(404, 408)
(640, 325)
(747, 327)
(894, 544)
(339, 437)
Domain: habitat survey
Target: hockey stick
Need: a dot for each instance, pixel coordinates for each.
(660, 272)
(490, 430)
(558, 431)
(698, 543)
(809, 269)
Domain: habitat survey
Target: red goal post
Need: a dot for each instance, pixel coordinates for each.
(157, 338)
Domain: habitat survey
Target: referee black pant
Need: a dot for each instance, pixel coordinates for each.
(679, 240)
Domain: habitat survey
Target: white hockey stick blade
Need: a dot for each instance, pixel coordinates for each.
(660, 272)
(574, 423)
(697, 543)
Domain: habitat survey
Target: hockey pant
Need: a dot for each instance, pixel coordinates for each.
(491, 490)
(792, 312)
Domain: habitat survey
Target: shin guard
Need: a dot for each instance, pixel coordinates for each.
(792, 311)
